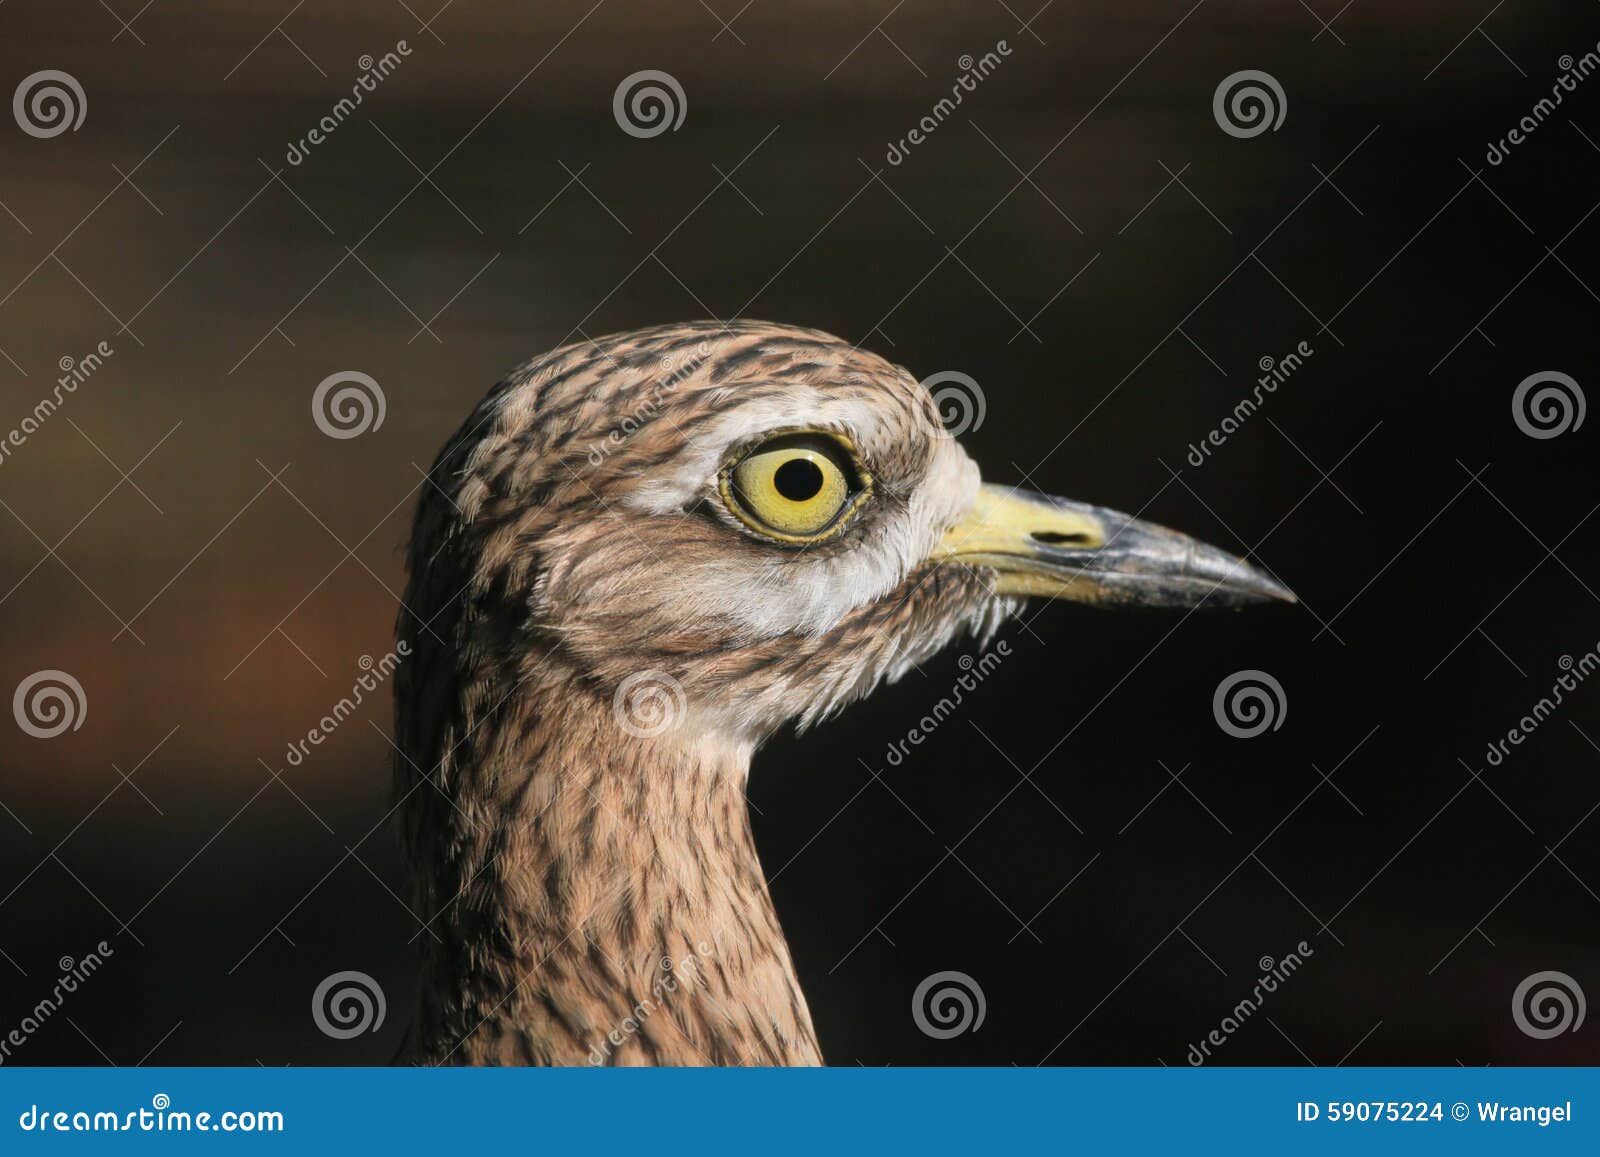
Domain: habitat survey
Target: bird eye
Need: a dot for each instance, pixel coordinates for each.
(797, 487)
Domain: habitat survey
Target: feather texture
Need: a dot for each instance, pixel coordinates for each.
(597, 648)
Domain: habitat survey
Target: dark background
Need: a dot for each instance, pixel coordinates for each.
(1434, 612)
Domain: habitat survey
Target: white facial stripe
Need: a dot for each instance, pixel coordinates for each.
(946, 494)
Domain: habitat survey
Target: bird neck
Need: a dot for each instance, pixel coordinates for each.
(603, 903)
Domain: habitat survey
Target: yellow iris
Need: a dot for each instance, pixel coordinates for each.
(796, 487)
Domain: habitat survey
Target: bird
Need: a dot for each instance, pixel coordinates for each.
(639, 558)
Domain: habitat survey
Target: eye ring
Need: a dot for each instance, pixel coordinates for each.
(798, 486)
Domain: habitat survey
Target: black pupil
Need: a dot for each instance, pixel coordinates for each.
(798, 479)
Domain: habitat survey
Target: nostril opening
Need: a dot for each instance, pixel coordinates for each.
(1056, 538)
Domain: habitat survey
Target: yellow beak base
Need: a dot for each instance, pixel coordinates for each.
(1057, 548)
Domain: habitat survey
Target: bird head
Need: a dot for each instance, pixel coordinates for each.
(719, 528)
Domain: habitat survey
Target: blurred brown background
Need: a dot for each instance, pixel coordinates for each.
(1081, 238)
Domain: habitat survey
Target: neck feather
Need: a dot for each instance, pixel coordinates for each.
(600, 897)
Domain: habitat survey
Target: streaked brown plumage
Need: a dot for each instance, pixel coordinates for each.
(571, 541)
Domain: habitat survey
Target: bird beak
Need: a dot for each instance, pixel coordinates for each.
(1039, 545)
